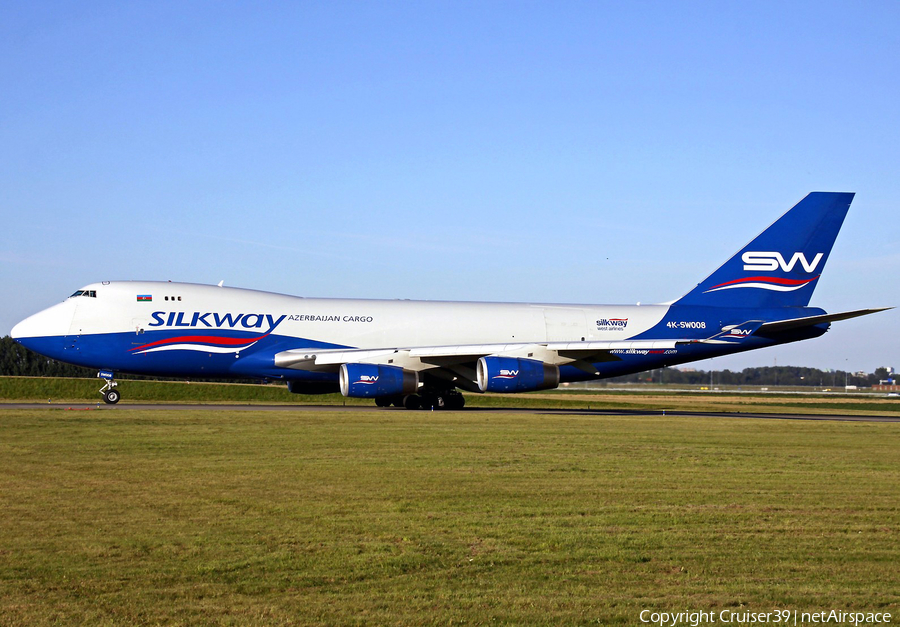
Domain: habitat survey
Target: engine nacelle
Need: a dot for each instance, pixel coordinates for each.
(371, 380)
(511, 374)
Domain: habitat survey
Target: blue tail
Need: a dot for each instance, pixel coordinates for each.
(780, 268)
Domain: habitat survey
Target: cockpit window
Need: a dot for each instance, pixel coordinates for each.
(88, 293)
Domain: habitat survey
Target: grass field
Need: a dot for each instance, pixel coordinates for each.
(397, 517)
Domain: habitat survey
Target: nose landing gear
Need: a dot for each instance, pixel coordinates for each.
(110, 394)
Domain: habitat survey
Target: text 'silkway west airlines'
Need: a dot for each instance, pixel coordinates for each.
(424, 353)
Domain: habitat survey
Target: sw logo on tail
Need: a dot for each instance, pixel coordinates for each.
(772, 261)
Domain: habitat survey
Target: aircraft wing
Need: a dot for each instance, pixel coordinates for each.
(428, 357)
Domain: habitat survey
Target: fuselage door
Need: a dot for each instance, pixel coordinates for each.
(139, 325)
(565, 324)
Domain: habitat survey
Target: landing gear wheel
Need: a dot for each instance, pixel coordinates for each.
(456, 401)
(383, 401)
(110, 394)
(441, 399)
(434, 401)
(412, 401)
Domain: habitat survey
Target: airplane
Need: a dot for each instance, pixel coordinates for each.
(422, 354)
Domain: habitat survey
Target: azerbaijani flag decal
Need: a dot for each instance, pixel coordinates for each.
(144, 298)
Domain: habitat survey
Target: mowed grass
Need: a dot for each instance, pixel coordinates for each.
(398, 517)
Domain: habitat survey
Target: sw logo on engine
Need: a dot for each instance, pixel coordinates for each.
(772, 261)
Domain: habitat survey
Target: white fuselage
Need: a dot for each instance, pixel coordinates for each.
(346, 322)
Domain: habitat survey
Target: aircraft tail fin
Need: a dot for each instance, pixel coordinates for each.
(781, 266)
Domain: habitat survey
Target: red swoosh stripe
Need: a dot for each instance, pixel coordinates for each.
(205, 339)
(767, 279)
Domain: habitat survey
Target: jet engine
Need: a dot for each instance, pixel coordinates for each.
(512, 374)
(372, 381)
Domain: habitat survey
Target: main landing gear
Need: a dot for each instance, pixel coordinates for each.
(110, 394)
(427, 399)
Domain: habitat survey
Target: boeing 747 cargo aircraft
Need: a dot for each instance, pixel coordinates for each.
(422, 353)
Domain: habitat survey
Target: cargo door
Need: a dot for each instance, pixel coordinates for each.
(565, 324)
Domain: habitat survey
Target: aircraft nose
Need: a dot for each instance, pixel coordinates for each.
(54, 321)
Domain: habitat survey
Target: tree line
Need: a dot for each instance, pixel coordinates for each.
(768, 375)
(18, 361)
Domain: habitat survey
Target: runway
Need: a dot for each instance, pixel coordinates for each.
(469, 410)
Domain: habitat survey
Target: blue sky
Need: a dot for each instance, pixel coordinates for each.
(583, 152)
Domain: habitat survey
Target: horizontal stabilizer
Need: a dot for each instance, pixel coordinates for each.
(809, 321)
